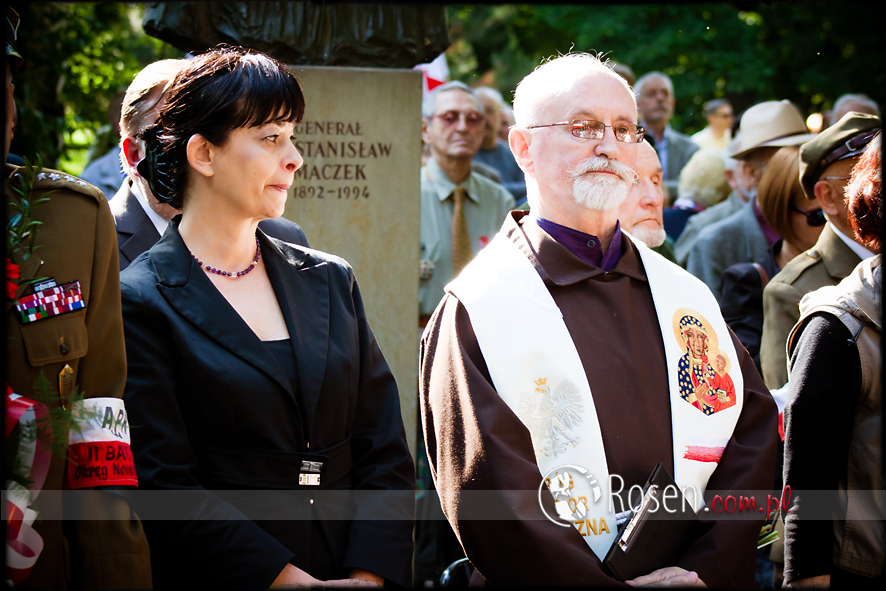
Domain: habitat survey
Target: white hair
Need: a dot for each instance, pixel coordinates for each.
(601, 193)
(649, 237)
(840, 105)
(491, 93)
(702, 179)
(429, 103)
(553, 78)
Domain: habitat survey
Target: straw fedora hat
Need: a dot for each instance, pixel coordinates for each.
(771, 124)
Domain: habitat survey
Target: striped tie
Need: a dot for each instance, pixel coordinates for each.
(461, 242)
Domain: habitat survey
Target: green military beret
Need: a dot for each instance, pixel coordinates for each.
(846, 138)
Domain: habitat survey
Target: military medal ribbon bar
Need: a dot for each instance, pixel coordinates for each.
(51, 301)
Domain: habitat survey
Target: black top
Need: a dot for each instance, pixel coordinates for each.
(825, 385)
(211, 411)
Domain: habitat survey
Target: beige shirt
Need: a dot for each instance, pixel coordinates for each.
(706, 140)
(487, 206)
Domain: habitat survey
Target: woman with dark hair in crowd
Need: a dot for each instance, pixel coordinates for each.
(797, 220)
(834, 532)
(251, 365)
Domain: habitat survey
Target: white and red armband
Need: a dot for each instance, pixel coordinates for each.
(98, 446)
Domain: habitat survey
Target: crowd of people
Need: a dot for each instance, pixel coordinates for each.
(596, 290)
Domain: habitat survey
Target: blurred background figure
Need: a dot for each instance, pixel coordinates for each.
(655, 103)
(625, 72)
(825, 164)
(105, 172)
(717, 135)
(860, 103)
(640, 213)
(746, 236)
(838, 541)
(494, 152)
(702, 185)
(797, 220)
(737, 197)
(507, 121)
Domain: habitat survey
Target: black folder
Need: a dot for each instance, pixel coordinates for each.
(653, 537)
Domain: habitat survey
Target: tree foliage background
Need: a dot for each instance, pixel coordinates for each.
(77, 56)
(806, 52)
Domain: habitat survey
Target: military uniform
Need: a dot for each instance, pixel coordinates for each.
(105, 546)
(826, 263)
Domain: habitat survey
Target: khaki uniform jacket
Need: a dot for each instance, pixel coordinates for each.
(104, 547)
(826, 263)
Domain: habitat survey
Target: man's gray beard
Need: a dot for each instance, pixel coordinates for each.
(651, 238)
(599, 194)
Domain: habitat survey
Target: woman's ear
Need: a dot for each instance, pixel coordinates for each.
(200, 153)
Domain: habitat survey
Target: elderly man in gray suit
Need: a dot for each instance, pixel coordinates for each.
(746, 236)
(655, 103)
(140, 218)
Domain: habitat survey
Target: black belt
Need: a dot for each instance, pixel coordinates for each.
(271, 469)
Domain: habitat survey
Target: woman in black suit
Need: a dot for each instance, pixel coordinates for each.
(255, 384)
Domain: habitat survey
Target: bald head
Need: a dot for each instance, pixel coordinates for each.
(553, 79)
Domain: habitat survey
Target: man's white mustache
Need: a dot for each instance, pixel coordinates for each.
(600, 164)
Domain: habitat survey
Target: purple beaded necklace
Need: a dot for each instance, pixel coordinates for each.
(238, 274)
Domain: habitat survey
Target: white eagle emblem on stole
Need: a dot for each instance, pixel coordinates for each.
(551, 417)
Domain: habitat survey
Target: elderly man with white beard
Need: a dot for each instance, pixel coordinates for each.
(560, 347)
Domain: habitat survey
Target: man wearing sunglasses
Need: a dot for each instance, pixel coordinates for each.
(825, 165)
(559, 349)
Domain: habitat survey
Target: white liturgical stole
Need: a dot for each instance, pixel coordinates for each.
(537, 371)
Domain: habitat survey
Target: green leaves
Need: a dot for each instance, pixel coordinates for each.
(756, 53)
(77, 56)
(21, 228)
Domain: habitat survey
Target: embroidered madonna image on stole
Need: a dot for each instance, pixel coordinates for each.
(703, 370)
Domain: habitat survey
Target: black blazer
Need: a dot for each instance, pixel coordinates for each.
(136, 233)
(211, 410)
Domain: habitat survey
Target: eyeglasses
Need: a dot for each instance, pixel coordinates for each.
(471, 118)
(837, 178)
(588, 129)
(814, 218)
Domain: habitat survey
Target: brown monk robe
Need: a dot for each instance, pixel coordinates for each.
(476, 443)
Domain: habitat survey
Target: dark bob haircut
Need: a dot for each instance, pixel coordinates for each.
(863, 195)
(217, 92)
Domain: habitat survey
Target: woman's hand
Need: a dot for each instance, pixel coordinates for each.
(672, 576)
(365, 575)
(292, 576)
(819, 581)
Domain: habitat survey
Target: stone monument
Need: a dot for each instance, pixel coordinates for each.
(357, 196)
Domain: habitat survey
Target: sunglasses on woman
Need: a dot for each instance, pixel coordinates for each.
(814, 218)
